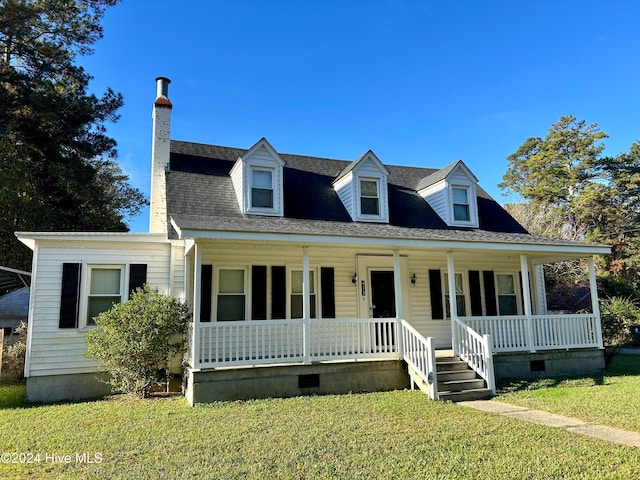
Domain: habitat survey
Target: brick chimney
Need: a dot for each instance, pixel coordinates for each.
(160, 157)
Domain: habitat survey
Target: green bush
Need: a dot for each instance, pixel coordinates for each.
(617, 314)
(135, 340)
(14, 355)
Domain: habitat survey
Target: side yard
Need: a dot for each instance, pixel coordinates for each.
(397, 434)
(609, 399)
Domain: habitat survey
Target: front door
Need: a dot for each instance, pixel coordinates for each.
(383, 297)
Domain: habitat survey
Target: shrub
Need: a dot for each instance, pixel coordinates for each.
(136, 339)
(14, 355)
(617, 314)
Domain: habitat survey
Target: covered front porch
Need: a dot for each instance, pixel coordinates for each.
(394, 320)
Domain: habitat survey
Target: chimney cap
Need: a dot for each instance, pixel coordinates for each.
(162, 96)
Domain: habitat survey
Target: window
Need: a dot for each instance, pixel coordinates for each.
(461, 210)
(369, 197)
(105, 290)
(460, 299)
(261, 188)
(231, 297)
(296, 294)
(507, 303)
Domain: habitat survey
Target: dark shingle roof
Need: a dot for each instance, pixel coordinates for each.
(200, 196)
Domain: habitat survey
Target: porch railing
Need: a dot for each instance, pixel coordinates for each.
(420, 354)
(259, 342)
(475, 349)
(539, 332)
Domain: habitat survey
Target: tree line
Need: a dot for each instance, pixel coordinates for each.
(58, 169)
(568, 188)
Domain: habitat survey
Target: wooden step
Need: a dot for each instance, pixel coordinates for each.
(449, 365)
(466, 395)
(456, 375)
(460, 385)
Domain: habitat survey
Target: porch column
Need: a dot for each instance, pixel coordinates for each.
(526, 293)
(453, 306)
(306, 307)
(397, 280)
(195, 334)
(595, 306)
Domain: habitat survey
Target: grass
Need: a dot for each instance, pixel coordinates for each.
(396, 434)
(610, 398)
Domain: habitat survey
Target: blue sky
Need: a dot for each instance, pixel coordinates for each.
(420, 83)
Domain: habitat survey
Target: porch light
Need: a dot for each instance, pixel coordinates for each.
(354, 279)
(414, 279)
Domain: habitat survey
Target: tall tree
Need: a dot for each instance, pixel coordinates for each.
(58, 167)
(597, 197)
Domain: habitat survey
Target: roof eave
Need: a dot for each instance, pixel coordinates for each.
(453, 245)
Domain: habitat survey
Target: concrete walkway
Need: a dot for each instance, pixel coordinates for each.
(601, 432)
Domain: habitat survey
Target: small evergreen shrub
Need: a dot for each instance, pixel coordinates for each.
(135, 340)
(617, 314)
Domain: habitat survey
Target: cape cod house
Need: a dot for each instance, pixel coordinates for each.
(312, 275)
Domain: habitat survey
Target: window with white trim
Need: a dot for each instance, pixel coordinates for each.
(295, 304)
(105, 289)
(506, 291)
(461, 206)
(370, 197)
(461, 306)
(231, 294)
(262, 188)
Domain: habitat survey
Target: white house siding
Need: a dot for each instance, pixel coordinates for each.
(344, 188)
(421, 262)
(344, 260)
(56, 351)
(436, 197)
(237, 178)
(177, 270)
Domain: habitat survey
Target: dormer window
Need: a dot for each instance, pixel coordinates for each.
(261, 188)
(453, 195)
(362, 188)
(369, 197)
(258, 179)
(461, 211)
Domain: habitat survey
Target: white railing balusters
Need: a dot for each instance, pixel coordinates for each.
(476, 350)
(420, 355)
(550, 332)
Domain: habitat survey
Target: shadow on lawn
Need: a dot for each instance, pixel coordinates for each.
(622, 365)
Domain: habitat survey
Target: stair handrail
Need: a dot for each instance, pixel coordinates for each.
(475, 349)
(420, 354)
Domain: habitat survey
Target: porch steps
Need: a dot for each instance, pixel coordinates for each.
(457, 382)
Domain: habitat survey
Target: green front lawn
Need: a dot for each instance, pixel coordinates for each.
(612, 398)
(397, 435)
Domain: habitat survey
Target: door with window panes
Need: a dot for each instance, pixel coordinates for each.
(461, 304)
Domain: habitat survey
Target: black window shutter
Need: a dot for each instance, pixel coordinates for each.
(475, 292)
(327, 286)
(137, 276)
(278, 292)
(206, 282)
(435, 282)
(258, 292)
(70, 295)
(490, 293)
